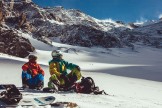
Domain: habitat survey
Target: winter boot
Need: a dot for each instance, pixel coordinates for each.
(40, 85)
(54, 85)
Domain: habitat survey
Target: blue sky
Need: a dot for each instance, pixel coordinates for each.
(123, 10)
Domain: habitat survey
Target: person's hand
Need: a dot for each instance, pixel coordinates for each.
(29, 71)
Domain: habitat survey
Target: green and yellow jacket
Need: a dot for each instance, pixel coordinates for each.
(60, 66)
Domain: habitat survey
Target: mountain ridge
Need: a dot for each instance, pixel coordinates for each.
(74, 27)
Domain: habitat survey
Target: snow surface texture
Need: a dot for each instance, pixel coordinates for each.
(132, 79)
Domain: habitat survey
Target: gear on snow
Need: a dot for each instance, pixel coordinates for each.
(87, 86)
(11, 95)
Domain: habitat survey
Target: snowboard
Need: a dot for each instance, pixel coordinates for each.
(46, 100)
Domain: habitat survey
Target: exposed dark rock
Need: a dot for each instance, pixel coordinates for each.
(1, 13)
(120, 22)
(12, 44)
(54, 17)
(133, 25)
(88, 37)
(159, 31)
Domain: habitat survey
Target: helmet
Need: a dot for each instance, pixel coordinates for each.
(32, 57)
(56, 53)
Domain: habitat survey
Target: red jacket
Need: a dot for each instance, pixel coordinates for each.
(34, 67)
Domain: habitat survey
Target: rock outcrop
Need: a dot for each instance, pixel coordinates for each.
(12, 44)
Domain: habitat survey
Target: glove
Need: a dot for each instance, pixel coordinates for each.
(77, 67)
(29, 71)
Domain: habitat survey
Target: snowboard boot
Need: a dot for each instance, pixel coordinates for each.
(40, 85)
(54, 85)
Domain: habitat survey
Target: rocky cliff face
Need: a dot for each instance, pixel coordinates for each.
(69, 25)
(13, 44)
(88, 37)
(150, 35)
(10, 41)
(73, 26)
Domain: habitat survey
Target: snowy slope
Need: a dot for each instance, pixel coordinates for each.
(131, 78)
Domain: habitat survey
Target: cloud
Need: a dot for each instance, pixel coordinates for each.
(160, 16)
(142, 20)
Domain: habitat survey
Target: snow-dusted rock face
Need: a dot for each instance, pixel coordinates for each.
(71, 26)
(88, 37)
(153, 30)
(74, 27)
(147, 34)
(13, 44)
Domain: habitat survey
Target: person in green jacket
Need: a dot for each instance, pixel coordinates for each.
(60, 78)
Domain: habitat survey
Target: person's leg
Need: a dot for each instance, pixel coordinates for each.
(74, 75)
(37, 82)
(40, 81)
(25, 77)
(55, 82)
(53, 79)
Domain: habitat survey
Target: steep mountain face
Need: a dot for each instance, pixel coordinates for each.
(10, 41)
(73, 26)
(150, 34)
(88, 37)
(153, 30)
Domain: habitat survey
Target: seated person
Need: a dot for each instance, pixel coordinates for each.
(32, 74)
(60, 79)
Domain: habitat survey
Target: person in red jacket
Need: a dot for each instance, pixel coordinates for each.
(32, 74)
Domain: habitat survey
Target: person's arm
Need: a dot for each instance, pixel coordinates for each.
(40, 70)
(70, 66)
(26, 68)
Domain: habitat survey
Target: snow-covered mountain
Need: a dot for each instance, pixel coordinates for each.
(74, 27)
(152, 30)
(150, 34)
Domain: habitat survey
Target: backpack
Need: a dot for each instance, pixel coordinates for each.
(11, 95)
(87, 86)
